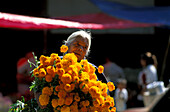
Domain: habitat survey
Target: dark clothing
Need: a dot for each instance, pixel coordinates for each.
(101, 77)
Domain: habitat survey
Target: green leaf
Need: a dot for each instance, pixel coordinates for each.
(23, 99)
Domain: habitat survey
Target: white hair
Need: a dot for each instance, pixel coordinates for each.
(82, 34)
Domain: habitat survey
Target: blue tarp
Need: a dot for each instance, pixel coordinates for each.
(158, 15)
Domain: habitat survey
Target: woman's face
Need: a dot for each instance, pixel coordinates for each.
(79, 47)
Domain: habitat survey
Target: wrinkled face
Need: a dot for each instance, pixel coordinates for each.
(79, 47)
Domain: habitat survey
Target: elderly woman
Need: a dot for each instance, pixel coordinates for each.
(79, 43)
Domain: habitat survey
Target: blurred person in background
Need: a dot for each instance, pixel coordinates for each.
(148, 75)
(112, 71)
(121, 95)
(23, 75)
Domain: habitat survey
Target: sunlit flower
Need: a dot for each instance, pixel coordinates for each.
(63, 48)
(111, 86)
(100, 69)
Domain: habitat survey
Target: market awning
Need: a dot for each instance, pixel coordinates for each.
(87, 21)
(149, 14)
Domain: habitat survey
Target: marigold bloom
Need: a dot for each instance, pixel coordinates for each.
(42, 59)
(94, 91)
(101, 99)
(86, 103)
(44, 99)
(50, 70)
(61, 101)
(74, 107)
(48, 78)
(96, 102)
(83, 109)
(54, 103)
(65, 109)
(54, 58)
(47, 91)
(75, 79)
(107, 104)
(84, 87)
(100, 69)
(60, 72)
(68, 100)
(67, 88)
(113, 109)
(66, 79)
(111, 86)
(57, 88)
(36, 72)
(45, 60)
(77, 98)
(62, 94)
(42, 72)
(63, 48)
(111, 100)
(70, 59)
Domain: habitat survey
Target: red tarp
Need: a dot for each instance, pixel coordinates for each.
(87, 21)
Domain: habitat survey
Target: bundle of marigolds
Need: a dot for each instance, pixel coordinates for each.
(70, 86)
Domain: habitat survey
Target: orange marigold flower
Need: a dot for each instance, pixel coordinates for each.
(57, 88)
(68, 100)
(70, 59)
(111, 100)
(36, 72)
(84, 87)
(96, 102)
(61, 101)
(67, 88)
(83, 109)
(42, 59)
(50, 70)
(75, 79)
(74, 107)
(94, 91)
(63, 48)
(45, 60)
(100, 69)
(54, 103)
(47, 91)
(65, 109)
(54, 58)
(101, 99)
(107, 104)
(44, 99)
(42, 72)
(111, 86)
(86, 103)
(113, 109)
(60, 72)
(48, 78)
(66, 79)
(62, 94)
(77, 98)
(93, 76)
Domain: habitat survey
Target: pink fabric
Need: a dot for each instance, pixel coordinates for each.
(87, 21)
